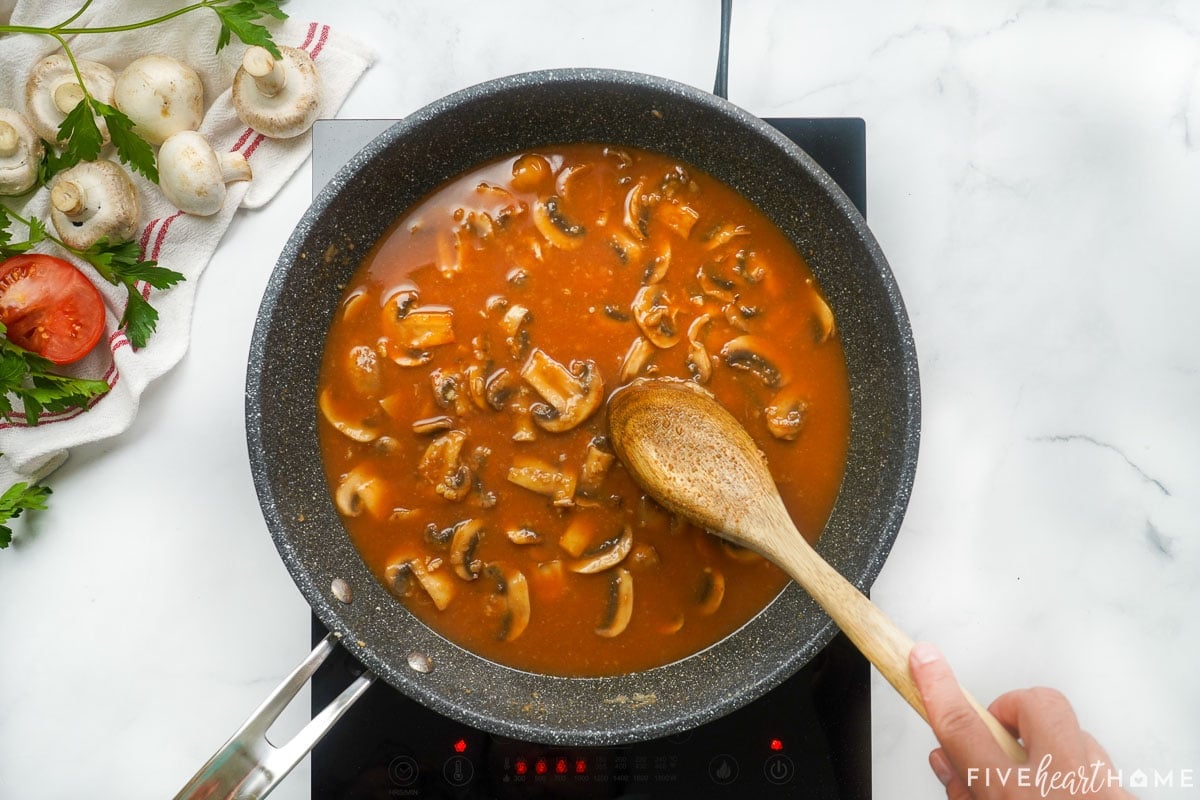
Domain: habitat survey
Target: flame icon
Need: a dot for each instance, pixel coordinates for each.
(723, 769)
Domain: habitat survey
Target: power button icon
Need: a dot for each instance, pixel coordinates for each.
(779, 769)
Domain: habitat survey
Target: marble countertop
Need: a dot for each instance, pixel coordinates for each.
(1034, 179)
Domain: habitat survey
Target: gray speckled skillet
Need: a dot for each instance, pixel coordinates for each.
(437, 143)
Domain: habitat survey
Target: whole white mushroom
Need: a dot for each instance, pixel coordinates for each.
(278, 98)
(94, 200)
(21, 150)
(161, 95)
(193, 176)
(52, 90)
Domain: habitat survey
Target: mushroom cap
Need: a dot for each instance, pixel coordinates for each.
(94, 200)
(21, 151)
(161, 95)
(193, 176)
(52, 74)
(292, 108)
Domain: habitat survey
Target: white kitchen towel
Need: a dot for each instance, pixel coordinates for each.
(177, 241)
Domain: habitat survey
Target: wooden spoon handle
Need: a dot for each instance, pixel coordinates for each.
(871, 630)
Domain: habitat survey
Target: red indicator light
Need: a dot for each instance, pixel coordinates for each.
(460, 746)
(560, 767)
(522, 766)
(776, 745)
(580, 766)
(540, 767)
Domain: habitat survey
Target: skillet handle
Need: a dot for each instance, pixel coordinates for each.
(248, 767)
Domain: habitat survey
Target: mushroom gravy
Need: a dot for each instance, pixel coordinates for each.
(461, 404)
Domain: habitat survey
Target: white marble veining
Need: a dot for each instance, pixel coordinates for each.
(1034, 178)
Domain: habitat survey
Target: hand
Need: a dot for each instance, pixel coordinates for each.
(1064, 761)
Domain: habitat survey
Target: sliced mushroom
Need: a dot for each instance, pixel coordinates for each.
(542, 478)
(52, 90)
(724, 234)
(637, 213)
(515, 324)
(573, 394)
(278, 98)
(523, 536)
(346, 418)
(442, 466)
(499, 387)
(476, 386)
(625, 246)
(513, 589)
(417, 329)
(193, 176)
(435, 583)
(747, 264)
(362, 489)
(656, 270)
(463, 544)
(450, 391)
(636, 358)
(548, 218)
(699, 362)
(161, 96)
(606, 556)
(736, 317)
(581, 531)
(21, 151)
(750, 353)
(596, 464)
(715, 285)
(786, 415)
(94, 200)
(653, 313)
(822, 320)
(619, 609)
(677, 216)
(712, 591)
(362, 368)
(400, 302)
(531, 173)
(570, 177)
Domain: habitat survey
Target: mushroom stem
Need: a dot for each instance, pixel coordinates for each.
(268, 74)
(67, 96)
(68, 197)
(9, 140)
(234, 167)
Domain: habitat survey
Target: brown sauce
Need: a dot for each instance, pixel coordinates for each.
(461, 404)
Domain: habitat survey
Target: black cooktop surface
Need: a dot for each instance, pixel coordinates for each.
(808, 739)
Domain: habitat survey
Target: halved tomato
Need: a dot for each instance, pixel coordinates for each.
(50, 307)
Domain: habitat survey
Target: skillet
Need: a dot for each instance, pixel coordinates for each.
(397, 169)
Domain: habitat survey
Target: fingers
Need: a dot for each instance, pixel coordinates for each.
(956, 789)
(963, 736)
(1045, 720)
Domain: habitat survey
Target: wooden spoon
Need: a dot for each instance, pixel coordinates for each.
(694, 458)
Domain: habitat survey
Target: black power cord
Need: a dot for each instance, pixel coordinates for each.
(721, 86)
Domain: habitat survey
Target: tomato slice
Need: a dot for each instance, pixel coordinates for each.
(50, 307)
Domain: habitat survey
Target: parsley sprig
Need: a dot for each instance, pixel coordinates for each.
(119, 264)
(79, 133)
(28, 377)
(19, 497)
